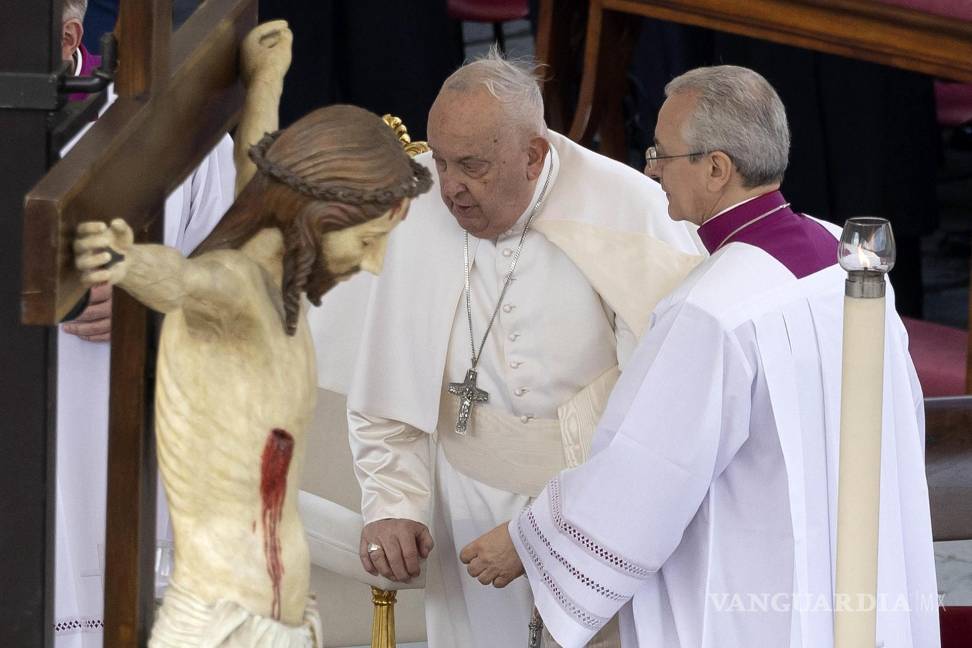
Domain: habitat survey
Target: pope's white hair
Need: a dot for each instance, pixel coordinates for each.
(514, 82)
(74, 9)
(738, 112)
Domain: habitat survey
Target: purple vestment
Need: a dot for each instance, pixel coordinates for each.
(797, 241)
(89, 62)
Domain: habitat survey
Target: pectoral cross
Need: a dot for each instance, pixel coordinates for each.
(468, 395)
(535, 635)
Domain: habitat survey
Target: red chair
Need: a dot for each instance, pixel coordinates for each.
(492, 11)
(956, 624)
(939, 353)
(954, 103)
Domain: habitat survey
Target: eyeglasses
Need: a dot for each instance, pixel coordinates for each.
(652, 157)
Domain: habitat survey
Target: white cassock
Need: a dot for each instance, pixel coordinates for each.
(191, 212)
(707, 512)
(600, 253)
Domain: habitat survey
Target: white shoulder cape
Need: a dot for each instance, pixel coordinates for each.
(609, 219)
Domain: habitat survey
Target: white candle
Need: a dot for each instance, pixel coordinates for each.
(858, 494)
(867, 252)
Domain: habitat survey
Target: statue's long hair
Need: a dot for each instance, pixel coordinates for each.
(336, 167)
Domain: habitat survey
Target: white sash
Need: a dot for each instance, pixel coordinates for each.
(520, 455)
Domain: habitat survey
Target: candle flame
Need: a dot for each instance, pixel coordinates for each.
(867, 259)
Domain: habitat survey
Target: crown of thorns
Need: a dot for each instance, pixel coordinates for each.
(419, 182)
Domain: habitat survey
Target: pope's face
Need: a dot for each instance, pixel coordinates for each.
(360, 247)
(682, 179)
(486, 170)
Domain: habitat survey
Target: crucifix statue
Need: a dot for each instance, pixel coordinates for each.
(185, 84)
(237, 379)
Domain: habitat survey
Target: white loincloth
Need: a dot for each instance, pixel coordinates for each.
(185, 621)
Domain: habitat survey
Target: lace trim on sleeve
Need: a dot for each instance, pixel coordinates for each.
(576, 573)
(69, 625)
(585, 542)
(581, 615)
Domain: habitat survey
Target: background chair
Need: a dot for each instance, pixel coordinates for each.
(489, 11)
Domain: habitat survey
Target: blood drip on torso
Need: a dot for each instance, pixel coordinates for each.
(277, 453)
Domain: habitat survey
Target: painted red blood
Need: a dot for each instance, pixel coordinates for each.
(277, 453)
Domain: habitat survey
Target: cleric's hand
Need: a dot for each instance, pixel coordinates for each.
(266, 51)
(94, 322)
(100, 251)
(402, 543)
(492, 558)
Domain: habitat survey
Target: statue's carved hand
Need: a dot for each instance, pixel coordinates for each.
(265, 52)
(403, 543)
(101, 252)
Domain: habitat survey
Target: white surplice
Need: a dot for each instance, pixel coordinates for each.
(555, 333)
(192, 210)
(707, 512)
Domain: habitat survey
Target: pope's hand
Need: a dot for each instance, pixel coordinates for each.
(492, 558)
(396, 546)
(266, 51)
(100, 251)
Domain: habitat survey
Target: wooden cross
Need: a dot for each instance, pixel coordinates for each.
(174, 104)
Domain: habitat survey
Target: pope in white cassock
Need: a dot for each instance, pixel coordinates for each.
(706, 514)
(523, 283)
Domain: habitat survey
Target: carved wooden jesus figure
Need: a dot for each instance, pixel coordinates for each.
(236, 382)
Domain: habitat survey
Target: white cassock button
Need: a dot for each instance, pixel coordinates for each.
(520, 391)
(513, 336)
(515, 364)
(507, 252)
(508, 308)
(525, 418)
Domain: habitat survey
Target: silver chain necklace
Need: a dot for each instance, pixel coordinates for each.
(466, 391)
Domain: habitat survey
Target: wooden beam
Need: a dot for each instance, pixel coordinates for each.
(609, 43)
(859, 29)
(144, 29)
(130, 536)
(167, 134)
(560, 39)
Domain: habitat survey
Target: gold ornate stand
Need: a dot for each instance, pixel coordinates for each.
(383, 622)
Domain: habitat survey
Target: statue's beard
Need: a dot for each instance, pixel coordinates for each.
(320, 281)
